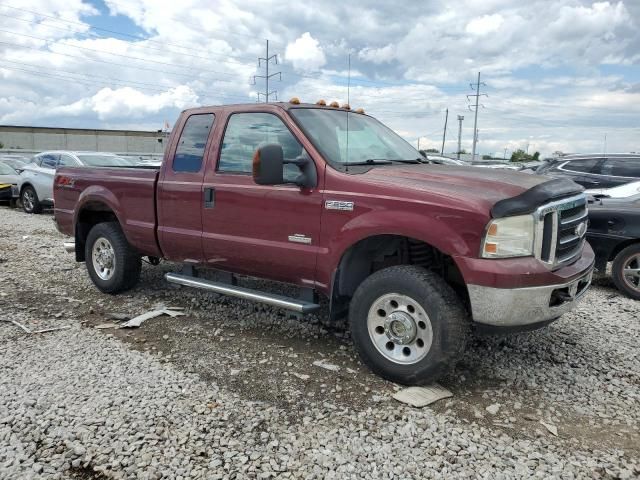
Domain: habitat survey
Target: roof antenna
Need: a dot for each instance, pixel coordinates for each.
(349, 110)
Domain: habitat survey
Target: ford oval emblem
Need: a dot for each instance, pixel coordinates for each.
(581, 229)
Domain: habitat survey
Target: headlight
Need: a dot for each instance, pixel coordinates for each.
(509, 237)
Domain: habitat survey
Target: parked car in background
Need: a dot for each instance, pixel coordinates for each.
(36, 177)
(530, 167)
(442, 160)
(614, 234)
(595, 170)
(9, 180)
(623, 191)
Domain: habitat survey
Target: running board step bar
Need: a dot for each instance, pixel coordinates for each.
(288, 303)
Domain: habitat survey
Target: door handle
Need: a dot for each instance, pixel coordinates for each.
(209, 197)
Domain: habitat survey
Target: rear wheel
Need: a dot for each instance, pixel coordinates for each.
(30, 201)
(408, 325)
(626, 271)
(111, 262)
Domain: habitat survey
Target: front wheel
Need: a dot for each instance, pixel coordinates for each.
(626, 271)
(111, 262)
(408, 325)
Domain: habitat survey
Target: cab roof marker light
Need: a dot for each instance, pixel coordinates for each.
(334, 104)
(294, 101)
(360, 110)
(321, 102)
(346, 106)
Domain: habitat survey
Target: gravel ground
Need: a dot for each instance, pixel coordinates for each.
(230, 390)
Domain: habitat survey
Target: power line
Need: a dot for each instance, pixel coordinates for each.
(139, 37)
(136, 45)
(113, 81)
(121, 55)
(40, 73)
(267, 59)
(126, 65)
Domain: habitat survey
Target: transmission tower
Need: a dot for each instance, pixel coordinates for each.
(267, 59)
(474, 108)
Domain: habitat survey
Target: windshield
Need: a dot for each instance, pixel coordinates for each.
(97, 160)
(368, 139)
(6, 169)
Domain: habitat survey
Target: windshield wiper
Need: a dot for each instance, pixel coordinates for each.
(370, 161)
(384, 161)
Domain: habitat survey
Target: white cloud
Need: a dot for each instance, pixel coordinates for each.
(305, 53)
(130, 103)
(485, 24)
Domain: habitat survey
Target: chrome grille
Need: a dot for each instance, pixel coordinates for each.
(560, 230)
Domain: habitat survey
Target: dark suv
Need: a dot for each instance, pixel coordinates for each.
(595, 170)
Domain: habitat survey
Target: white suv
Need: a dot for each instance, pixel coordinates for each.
(36, 177)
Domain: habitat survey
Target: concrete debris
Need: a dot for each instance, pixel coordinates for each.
(137, 321)
(301, 376)
(493, 408)
(31, 332)
(326, 365)
(552, 428)
(422, 396)
(105, 326)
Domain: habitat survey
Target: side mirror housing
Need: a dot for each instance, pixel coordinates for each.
(268, 165)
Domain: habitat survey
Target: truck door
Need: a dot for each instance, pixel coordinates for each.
(179, 198)
(262, 230)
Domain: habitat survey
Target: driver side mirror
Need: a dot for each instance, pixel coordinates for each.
(268, 165)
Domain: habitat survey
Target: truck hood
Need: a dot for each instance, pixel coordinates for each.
(482, 187)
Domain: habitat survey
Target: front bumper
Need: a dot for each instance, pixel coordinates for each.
(515, 307)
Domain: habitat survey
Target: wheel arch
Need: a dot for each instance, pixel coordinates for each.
(91, 213)
(375, 252)
(621, 246)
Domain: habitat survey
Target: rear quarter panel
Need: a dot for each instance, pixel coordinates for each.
(128, 192)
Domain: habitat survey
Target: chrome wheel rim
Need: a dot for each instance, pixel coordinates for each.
(631, 272)
(28, 199)
(399, 328)
(104, 258)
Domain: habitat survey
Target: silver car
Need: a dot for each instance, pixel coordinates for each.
(36, 177)
(9, 180)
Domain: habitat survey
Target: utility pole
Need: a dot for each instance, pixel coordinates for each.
(266, 59)
(444, 133)
(460, 119)
(504, 157)
(477, 96)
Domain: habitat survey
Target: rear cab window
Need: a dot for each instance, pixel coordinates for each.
(192, 143)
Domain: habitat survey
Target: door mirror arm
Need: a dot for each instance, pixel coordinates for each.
(308, 176)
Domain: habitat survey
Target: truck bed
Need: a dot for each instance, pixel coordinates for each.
(129, 192)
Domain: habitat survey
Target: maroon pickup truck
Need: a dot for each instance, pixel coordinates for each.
(335, 203)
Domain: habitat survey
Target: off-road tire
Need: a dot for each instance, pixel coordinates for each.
(449, 323)
(128, 263)
(36, 205)
(617, 270)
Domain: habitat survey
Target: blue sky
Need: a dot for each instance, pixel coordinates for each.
(558, 81)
